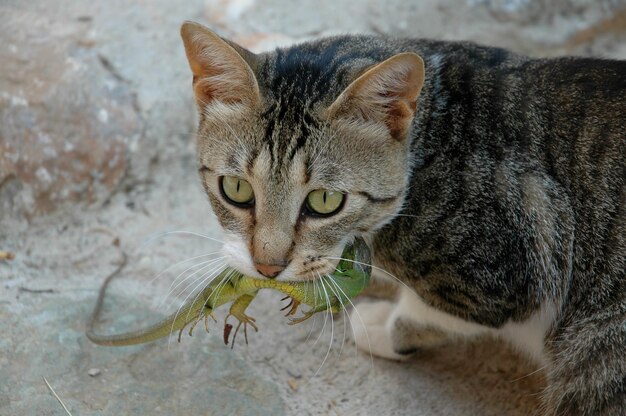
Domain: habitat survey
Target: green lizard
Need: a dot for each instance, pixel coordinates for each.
(351, 276)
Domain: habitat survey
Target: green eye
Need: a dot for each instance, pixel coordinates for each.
(324, 202)
(237, 190)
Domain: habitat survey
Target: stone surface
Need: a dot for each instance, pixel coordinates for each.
(87, 106)
(96, 144)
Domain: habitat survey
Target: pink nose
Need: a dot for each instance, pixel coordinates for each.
(269, 270)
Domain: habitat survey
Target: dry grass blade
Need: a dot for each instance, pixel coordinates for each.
(56, 396)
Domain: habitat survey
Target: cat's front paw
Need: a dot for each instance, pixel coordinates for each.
(370, 329)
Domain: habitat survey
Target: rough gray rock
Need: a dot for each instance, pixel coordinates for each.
(92, 97)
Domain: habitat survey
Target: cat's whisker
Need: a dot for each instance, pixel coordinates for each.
(373, 267)
(207, 262)
(529, 374)
(314, 283)
(343, 319)
(196, 276)
(325, 318)
(332, 285)
(220, 286)
(202, 313)
(217, 290)
(369, 345)
(169, 340)
(207, 282)
(332, 328)
(190, 276)
(208, 275)
(179, 263)
(346, 314)
(225, 278)
(166, 233)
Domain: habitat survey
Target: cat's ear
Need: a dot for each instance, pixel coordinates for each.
(385, 95)
(223, 80)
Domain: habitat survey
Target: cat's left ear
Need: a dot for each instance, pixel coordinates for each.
(223, 80)
(385, 95)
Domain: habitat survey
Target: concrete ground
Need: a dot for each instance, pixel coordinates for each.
(96, 145)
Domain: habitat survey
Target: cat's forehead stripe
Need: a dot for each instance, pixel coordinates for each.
(295, 82)
(287, 132)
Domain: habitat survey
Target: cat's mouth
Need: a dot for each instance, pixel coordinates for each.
(308, 269)
(302, 267)
(354, 255)
(315, 268)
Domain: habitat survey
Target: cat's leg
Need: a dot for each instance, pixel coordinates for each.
(369, 326)
(587, 375)
(397, 329)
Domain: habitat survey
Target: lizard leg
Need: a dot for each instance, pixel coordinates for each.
(203, 315)
(180, 332)
(307, 314)
(238, 310)
(193, 325)
(206, 321)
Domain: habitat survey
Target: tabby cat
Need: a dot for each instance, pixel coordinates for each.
(491, 184)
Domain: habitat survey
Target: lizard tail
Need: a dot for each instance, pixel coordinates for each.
(175, 322)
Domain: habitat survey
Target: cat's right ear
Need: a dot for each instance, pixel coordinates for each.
(223, 82)
(384, 98)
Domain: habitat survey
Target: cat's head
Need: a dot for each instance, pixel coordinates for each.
(300, 149)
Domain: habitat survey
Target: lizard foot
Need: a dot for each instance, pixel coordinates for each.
(244, 320)
(194, 323)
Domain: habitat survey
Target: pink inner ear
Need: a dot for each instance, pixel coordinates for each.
(219, 72)
(400, 107)
(399, 117)
(223, 78)
(208, 90)
(386, 93)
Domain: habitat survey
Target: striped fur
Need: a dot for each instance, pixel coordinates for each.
(505, 196)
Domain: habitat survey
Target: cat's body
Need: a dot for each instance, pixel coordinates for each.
(492, 185)
(518, 215)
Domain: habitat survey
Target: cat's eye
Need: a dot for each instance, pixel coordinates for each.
(324, 202)
(237, 190)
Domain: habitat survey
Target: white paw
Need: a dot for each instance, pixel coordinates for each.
(370, 331)
(373, 313)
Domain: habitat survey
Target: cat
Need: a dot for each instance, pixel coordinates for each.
(492, 185)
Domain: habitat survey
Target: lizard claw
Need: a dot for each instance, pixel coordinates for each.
(304, 317)
(227, 329)
(294, 304)
(244, 320)
(195, 322)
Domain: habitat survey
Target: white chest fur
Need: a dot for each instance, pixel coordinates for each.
(374, 323)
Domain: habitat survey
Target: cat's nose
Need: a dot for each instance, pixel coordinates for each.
(269, 270)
